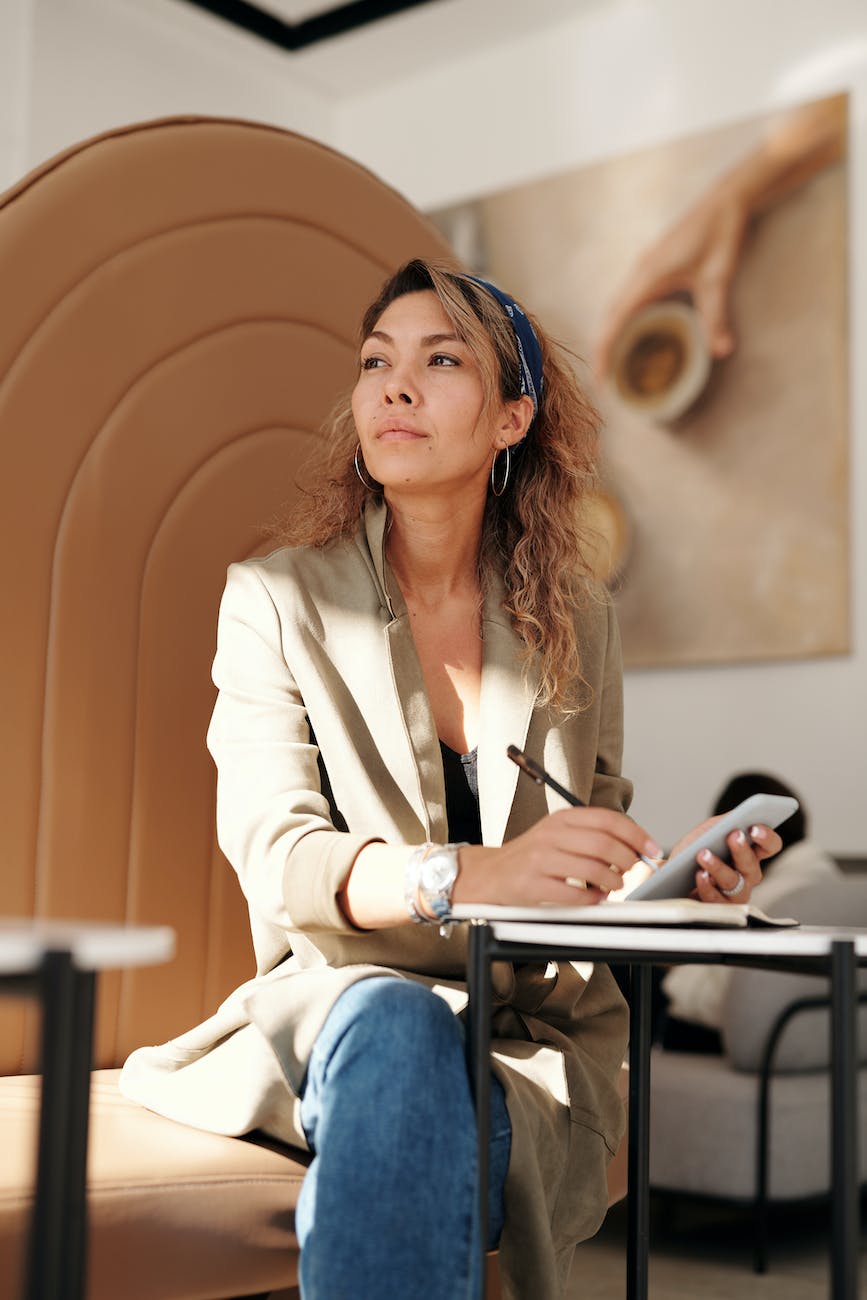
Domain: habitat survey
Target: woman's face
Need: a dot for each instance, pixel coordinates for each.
(419, 402)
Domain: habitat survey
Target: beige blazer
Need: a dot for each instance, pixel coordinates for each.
(324, 740)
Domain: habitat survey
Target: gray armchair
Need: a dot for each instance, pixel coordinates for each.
(752, 1125)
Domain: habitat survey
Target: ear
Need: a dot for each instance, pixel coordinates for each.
(514, 421)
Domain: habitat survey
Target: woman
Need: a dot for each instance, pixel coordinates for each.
(370, 679)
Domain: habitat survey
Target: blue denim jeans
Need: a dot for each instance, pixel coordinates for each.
(388, 1209)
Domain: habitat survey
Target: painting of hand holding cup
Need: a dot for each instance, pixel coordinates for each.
(703, 285)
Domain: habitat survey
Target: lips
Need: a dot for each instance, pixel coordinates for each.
(394, 431)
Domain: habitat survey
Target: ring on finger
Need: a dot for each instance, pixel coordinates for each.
(733, 893)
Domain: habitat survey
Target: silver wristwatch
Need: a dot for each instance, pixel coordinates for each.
(437, 874)
(431, 873)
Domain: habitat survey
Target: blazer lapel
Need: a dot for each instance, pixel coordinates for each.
(506, 709)
(420, 769)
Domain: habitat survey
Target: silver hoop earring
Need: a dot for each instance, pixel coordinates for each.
(360, 470)
(498, 492)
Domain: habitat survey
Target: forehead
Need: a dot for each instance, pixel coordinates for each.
(414, 315)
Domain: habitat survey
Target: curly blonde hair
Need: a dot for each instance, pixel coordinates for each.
(532, 534)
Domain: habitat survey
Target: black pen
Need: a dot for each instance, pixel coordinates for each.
(538, 774)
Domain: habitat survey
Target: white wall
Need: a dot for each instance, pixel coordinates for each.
(614, 77)
(16, 22)
(97, 64)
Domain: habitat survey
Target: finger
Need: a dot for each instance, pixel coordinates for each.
(744, 863)
(561, 893)
(606, 879)
(631, 879)
(765, 841)
(722, 875)
(735, 880)
(706, 890)
(711, 300)
(563, 865)
(595, 849)
(620, 829)
(744, 857)
(584, 888)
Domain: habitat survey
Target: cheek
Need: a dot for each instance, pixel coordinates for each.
(485, 429)
(357, 406)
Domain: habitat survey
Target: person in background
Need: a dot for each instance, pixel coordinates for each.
(693, 996)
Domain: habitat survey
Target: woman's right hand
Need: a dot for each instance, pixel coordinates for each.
(573, 857)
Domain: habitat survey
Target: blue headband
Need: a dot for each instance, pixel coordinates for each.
(529, 352)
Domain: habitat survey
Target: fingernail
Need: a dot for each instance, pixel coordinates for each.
(652, 849)
(740, 838)
(705, 856)
(705, 875)
(758, 833)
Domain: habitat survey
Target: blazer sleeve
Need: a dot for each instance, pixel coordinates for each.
(273, 821)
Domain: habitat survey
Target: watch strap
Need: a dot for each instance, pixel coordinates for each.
(410, 881)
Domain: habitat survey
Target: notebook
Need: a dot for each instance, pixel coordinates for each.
(655, 911)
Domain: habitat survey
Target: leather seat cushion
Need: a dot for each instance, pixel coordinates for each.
(174, 1213)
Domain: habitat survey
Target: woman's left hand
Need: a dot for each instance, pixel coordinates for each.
(731, 882)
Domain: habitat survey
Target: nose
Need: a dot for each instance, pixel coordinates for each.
(400, 388)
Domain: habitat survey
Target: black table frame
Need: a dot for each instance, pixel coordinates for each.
(57, 1241)
(840, 964)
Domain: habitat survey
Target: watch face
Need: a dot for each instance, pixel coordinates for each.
(438, 872)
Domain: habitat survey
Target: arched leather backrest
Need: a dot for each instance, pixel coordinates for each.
(180, 301)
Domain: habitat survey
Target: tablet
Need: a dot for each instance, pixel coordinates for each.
(676, 879)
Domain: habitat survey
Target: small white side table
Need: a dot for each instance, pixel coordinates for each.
(58, 961)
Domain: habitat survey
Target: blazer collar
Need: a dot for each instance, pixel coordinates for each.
(507, 698)
(375, 525)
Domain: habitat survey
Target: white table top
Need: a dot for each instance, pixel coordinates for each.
(800, 941)
(94, 945)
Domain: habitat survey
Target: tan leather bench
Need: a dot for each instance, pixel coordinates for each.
(179, 306)
(174, 1212)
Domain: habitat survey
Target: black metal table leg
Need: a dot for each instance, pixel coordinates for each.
(58, 1239)
(79, 1108)
(844, 1122)
(638, 1208)
(479, 1060)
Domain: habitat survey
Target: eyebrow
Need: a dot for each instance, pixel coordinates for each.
(429, 340)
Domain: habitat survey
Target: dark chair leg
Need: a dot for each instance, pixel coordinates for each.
(760, 1237)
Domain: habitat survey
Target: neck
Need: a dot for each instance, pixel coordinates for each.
(433, 549)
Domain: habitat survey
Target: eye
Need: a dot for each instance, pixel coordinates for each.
(372, 363)
(443, 359)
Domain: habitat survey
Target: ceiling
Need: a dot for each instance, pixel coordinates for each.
(296, 24)
(347, 49)
(296, 11)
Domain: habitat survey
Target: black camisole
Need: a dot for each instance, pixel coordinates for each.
(461, 772)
